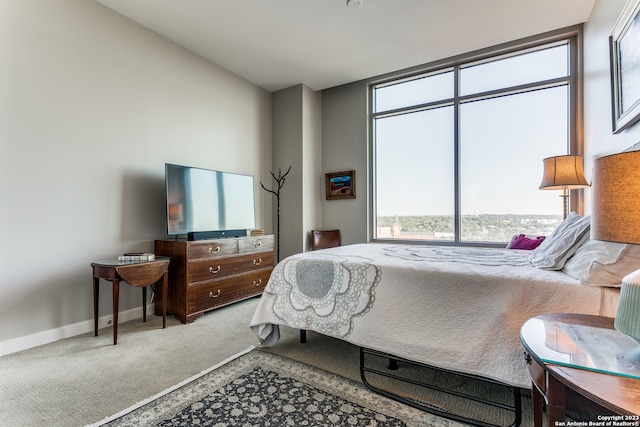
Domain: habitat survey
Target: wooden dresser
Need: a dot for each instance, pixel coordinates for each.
(208, 274)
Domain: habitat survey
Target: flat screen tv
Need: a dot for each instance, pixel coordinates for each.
(204, 203)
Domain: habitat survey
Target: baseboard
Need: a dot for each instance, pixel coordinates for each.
(24, 343)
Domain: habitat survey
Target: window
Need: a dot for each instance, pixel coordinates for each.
(458, 149)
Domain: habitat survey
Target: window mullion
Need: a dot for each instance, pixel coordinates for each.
(516, 90)
(456, 154)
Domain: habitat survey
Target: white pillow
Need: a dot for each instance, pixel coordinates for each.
(563, 242)
(598, 263)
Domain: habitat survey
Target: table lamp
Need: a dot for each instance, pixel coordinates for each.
(616, 218)
(563, 173)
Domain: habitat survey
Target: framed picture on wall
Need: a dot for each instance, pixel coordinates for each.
(340, 185)
(624, 44)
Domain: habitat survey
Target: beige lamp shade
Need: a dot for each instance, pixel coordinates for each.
(616, 198)
(616, 218)
(563, 172)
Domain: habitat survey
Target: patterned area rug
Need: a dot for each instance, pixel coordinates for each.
(263, 389)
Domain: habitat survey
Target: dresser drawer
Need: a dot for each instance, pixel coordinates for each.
(212, 249)
(255, 244)
(253, 283)
(213, 268)
(207, 295)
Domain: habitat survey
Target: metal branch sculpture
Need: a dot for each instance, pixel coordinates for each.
(280, 181)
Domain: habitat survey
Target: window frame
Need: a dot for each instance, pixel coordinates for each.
(571, 35)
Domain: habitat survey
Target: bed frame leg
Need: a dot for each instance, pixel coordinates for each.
(393, 364)
(303, 336)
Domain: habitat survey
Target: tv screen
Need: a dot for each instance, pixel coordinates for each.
(208, 201)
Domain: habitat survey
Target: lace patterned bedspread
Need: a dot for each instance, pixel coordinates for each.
(457, 308)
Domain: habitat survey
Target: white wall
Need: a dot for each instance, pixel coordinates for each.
(91, 107)
(599, 139)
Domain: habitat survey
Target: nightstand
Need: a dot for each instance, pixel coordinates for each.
(135, 273)
(572, 362)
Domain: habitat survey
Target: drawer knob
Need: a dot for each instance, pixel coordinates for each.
(258, 283)
(257, 261)
(257, 243)
(211, 295)
(212, 271)
(213, 251)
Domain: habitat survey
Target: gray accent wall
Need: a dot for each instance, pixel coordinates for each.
(297, 141)
(91, 107)
(345, 146)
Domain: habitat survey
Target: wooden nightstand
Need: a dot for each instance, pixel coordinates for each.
(572, 363)
(135, 273)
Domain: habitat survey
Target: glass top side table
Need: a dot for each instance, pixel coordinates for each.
(594, 346)
(573, 361)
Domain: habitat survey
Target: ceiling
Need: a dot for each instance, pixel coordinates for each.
(325, 43)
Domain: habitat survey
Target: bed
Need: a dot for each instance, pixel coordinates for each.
(458, 309)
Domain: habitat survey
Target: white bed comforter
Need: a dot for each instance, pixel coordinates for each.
(456, 308)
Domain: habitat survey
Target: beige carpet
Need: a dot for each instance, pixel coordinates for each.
(262, 389)
(82, 380)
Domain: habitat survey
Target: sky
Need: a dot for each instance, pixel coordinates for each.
(503, 141)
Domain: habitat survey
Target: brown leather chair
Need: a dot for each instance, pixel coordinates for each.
(322, 239)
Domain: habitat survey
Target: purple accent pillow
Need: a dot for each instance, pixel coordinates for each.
(526, 243)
